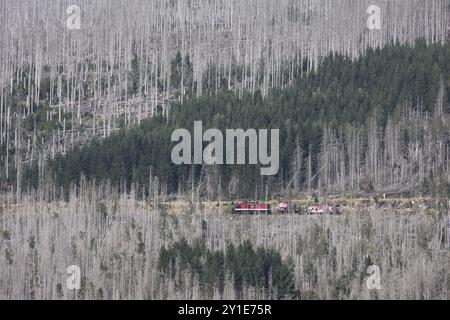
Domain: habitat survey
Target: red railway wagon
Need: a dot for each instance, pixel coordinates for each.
(252, 207)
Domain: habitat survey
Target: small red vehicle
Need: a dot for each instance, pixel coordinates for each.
(283, 208)
(252, 208)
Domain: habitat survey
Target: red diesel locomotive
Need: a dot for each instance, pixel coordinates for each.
(252, 208)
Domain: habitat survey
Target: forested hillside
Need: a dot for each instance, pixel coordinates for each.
(378, 123)
(129, 249)
(61, 85)
(93, 206)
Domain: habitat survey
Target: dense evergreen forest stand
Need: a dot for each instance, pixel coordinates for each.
(133, 60)
(262, 269)
(379, 123)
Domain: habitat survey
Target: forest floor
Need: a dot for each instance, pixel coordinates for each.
(402, 205)
(183, 206)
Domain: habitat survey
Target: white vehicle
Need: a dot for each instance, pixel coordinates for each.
(323, 210)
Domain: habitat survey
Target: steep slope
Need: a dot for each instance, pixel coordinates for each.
(379, 123)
